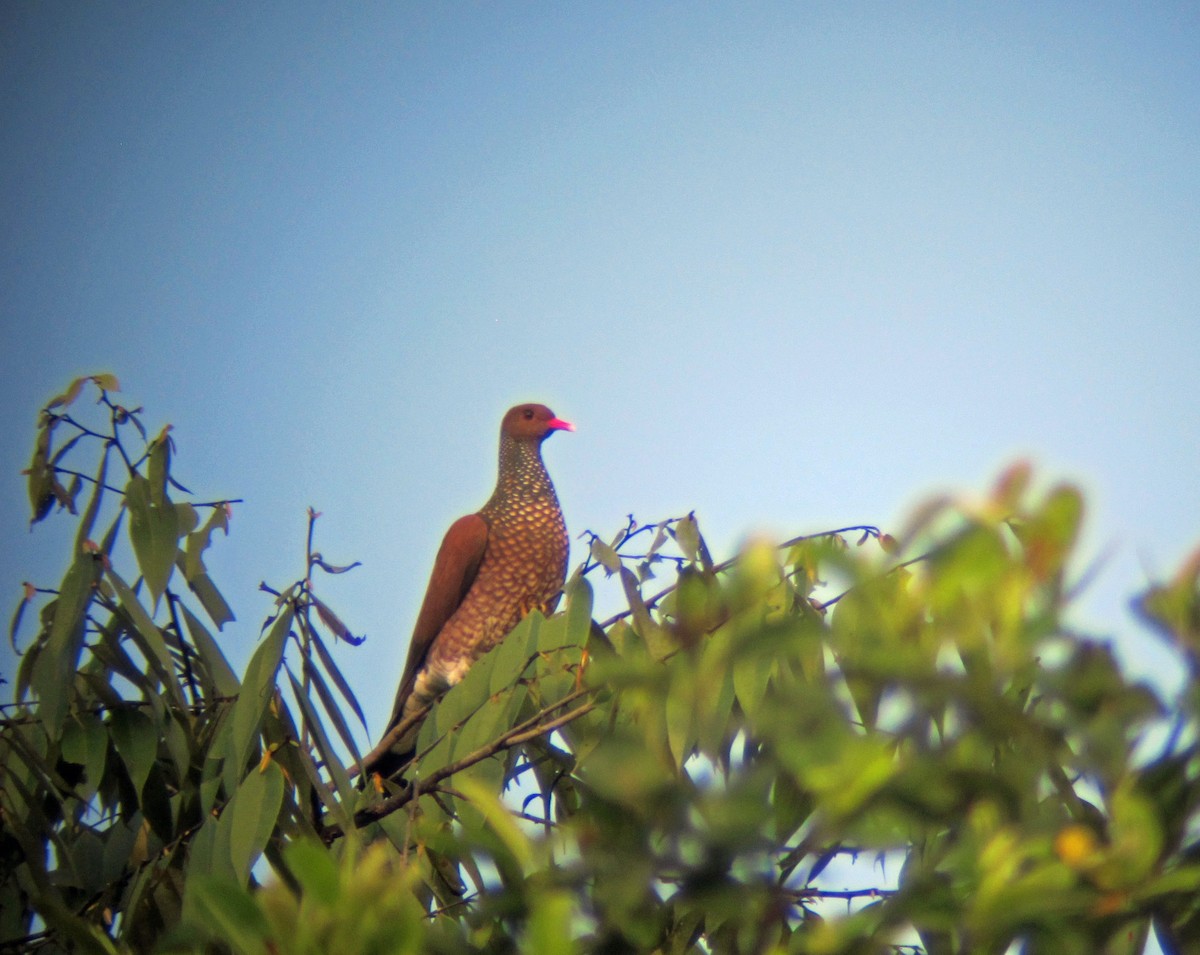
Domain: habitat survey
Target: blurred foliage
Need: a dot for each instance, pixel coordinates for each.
(685, 776)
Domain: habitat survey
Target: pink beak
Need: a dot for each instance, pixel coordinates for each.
(557, 424)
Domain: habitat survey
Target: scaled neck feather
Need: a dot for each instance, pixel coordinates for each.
(522, 472)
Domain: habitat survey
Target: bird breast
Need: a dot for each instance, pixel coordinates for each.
(523, 570)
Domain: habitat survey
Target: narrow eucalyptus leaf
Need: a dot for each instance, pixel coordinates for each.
(136, 739)
(512, 656)
(338, 680)
(225, 907)
(256, 691)
(219, 612)
(213, 660)
(53, 675)
(154, 531)
(331, 708)
(325, 749)
(15, 625)
(88, 521)
(579, 612)
(251, 816)
(41, 475)
(681, 709)
(149, 638)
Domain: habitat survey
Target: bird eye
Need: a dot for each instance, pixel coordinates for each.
(528, 414)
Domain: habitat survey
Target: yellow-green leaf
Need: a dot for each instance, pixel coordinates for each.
(54, 672)
(251, 816)
(154, 531)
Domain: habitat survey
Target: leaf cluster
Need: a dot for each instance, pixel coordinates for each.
(699, 772)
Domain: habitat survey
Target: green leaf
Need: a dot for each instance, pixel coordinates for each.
(622, 770)
(1056, 528)
(556, 676)
(41, 474)
(751, 673)
(1173, 609)
(67, 398)
(338, 680)
(154, 530)
(27, 671)
(514, 652)
(191, 563)
(251, 816)
(579, 612)
(85, 742)
(552, 635)
(206, 857)
(110, 653)
(175, 733)
(157, 803)
(451, 715)
(219, 612)
(88, 521)
(657, 640)
(681, 708)
(501, 822)
(714, 697)
(136, 739)
(106, 381)
(433, 746)
(687, 536)
(156, 524)
(87, 860)
(317, 682)
(466, 702)
(149, 639)
(605, 556)
(791, 807)
(28, 592)
(187, 519)
(226, 909)
(334, 622)
(326, 752)
(216, 760)
(110, 536)
(215, 665)
(314, 869)
(1136, 834)
(866, 694)
(254, 697)
(550, 924)
(499, 714)
(53, 677)
(158, 458)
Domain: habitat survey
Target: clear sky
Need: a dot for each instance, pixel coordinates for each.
(792, 265)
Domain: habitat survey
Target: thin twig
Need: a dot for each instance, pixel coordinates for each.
(58, 469)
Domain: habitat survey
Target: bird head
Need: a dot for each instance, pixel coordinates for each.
(532, 423)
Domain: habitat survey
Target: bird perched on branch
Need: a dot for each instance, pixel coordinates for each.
(492, 569)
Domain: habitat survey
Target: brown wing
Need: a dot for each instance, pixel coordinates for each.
(454, 571)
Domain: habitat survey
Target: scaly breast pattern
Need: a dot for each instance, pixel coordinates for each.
(523, 569)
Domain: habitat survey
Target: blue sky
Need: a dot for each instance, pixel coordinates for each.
(794, 266)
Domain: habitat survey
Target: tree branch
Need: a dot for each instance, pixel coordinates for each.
(390, 739)
(521, 733)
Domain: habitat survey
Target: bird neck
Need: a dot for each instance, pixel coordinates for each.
(522, 473)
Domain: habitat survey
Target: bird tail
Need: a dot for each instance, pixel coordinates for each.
(398, 745)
